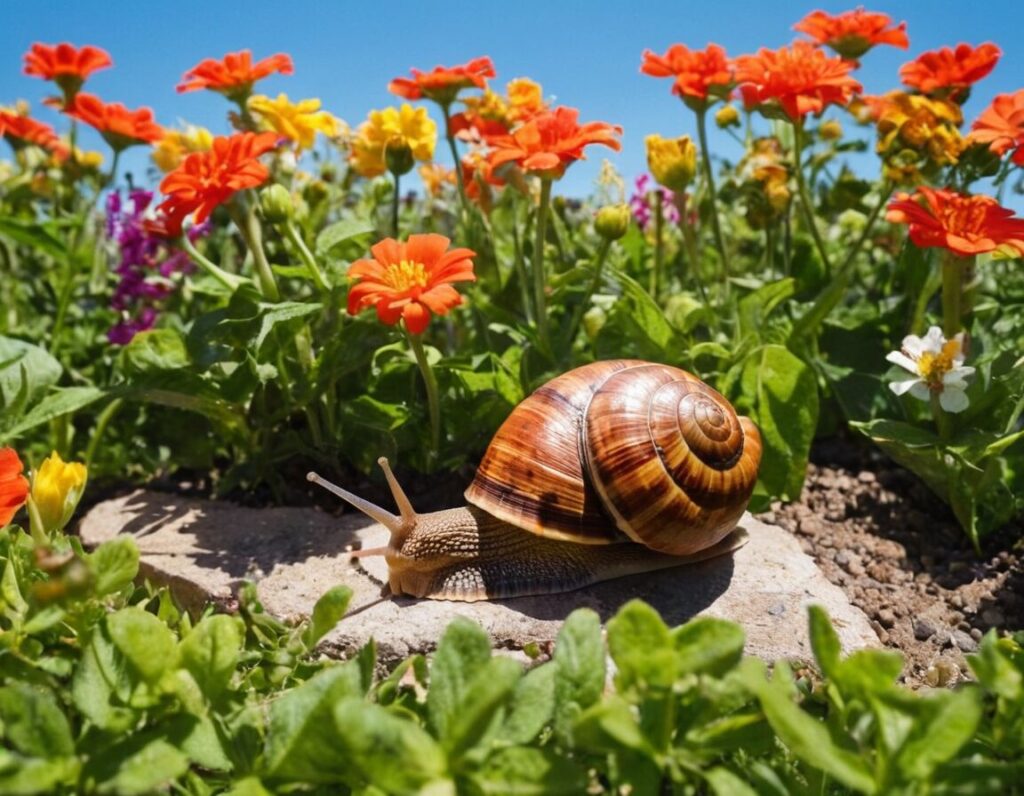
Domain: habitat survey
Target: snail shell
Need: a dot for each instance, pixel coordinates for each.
(622, 449)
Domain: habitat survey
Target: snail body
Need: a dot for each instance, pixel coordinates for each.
(613, 468)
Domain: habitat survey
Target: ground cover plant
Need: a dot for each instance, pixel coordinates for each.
(279, 293)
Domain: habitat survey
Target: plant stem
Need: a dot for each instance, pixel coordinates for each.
(805, 196)
(539, 281)
(394, 208)
(520, 267)
(433, 406)
(952, 292)
(941, 418)
(252, 233)
(293, 234)
(595, 284)
(659, 250)
(709, 177)
(101, 426)
(228, 280)
(456, 163)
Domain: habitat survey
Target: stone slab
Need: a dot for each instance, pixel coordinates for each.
(204, 550)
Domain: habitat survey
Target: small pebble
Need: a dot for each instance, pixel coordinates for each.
(976, 634)
(886, 618)
(964, 641)
(923, 629)
(993, 617)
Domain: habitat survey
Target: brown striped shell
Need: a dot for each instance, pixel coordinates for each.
(619, 449)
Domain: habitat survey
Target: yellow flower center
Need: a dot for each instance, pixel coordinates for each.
(406, 275)
(933, 367)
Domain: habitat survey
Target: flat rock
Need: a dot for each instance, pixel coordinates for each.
(203, 550)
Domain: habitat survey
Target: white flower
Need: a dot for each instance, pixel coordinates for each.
(937, 365)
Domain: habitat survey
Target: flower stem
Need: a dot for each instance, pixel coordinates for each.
(293, 234)
(228, 280)
(595, 284)
(249, 226)
(805, 196)
(659, 246)
(709, 177)
(456, 163)
(394, 208)
(101, 426)
(433, 406)
(941, 418)
(539, 281)
(952, 292)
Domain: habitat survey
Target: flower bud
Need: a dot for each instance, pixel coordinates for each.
(727, 116)
(612, 221)
(276, 204)
(830, 130)
(57, 487)
(594, 320)
(672, 161)
(398, 158)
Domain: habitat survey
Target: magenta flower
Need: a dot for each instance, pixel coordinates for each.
(641, 203)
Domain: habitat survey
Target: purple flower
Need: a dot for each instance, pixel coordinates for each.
(147, 263)
(643, 197)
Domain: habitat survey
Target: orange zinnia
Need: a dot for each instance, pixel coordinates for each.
(120, 127)
(443, 83)
(67, 65)
(410, 280)
(950, 70)
(853, 33)
(25, 130)
(550, 141)
(698, 73)
(13, 485)
(801, 78)
(234, 75)
(1001, 126)
(965, 225)
(205, 180)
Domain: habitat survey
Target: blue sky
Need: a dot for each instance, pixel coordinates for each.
(585, 53)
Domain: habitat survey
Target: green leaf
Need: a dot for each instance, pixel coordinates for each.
(485, 694)
(755, 308)
(114, 565)
(706, 645)
(882, 431)
(525, 771)
(327, 612)
(146, 643)
(101, 683)
(250, 786)
(610, 725)
(210, 653)
(57, 404)
(579, 668)
(463, 651)
(281, 313)
(723, 782)
(139, 764)
(951, 722)
(341, 231)
(641, 646)
(154, 351)
(25, 369)
(32, 721)
(824, 641)
(388, 751)
(531, 707)
(27, 777)
(35, 236)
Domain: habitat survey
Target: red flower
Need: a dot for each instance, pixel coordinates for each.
(65, 64)
(120, 127)
(965, 225)
(443, 83)
(853, 33)
(950, 70)
(801, 78)
(233, 75)
(24, 130)
(698, 73)
(13, 485)
(550, 141)
(410, 280)
(1001, 126)
(205, 180)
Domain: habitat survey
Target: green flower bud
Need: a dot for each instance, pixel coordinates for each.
(276, 204)
(612, 221)
(399, 158)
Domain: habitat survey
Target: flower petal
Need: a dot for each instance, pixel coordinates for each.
(953, 399)
(901, 387)
(921, 392)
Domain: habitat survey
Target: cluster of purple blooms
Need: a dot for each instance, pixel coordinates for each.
(643, 196)
(146, 265)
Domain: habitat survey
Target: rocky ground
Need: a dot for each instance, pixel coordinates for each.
(898, 553)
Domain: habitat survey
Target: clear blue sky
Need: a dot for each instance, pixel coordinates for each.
(585, 53)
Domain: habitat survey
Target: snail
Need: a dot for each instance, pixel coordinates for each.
(614, 468)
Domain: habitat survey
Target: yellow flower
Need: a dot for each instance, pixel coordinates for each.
(435, 177)
(673, 161)
(525, 98)
(172, 148)
(392, 128)
(917, 135)
(300, 121)
(830, 130)
(765, 185)
(57, 487)
(727, 116)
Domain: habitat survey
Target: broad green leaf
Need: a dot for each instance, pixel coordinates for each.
(610, 725)
(32, 721)
(327, 612)
(31, 776)
(994, 667)
(282, 313)
(895, 431)
(724, 782)
(526, 771)
(114, 565)
(25, 369)
(579, 668)
(641, 646)
(340, 231)
(824, 641)
(64, 401)
(940, 733)
(463, 651)
(156, 350)
(35, 236)
(101, 683)
(485, 694)
(250, 786)
(755, 308)
(137, 765)
(531, 707)
(391, 752)
(147, 644)
(706, 645)
(210, 653)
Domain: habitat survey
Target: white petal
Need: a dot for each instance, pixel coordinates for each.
(953, 400)
(901, 359)
(913, 345)
(956, 375)
(900, 387)
(933, 341)
(921, 392)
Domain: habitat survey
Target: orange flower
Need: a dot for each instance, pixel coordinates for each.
(950, 70)
(234, 75)
(410, 280)
(21, 130)
(853, 33)
(443, 83)
(801, 78)
(698, 73)
(65, 64)
(120, 127)
(1001, 126)
(13, 485)
(205, 180)
(966, 225)
(549, 142)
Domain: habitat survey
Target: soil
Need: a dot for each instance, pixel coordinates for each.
(897, 551)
